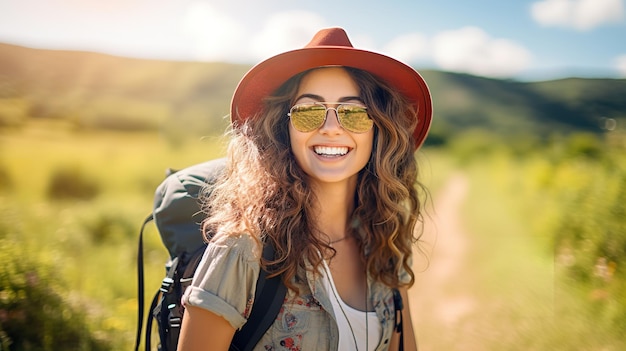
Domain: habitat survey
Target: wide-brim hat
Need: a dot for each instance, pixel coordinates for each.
(330, 47)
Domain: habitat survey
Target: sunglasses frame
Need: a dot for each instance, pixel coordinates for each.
(326, 108)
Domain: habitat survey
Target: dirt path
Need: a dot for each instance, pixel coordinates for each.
(437, 302)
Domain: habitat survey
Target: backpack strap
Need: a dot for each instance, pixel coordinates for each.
(149, 321)
(140, 282)
(268, 299)
(397, 302)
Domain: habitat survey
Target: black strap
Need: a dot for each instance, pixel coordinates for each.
(397, 302)
(140, 282)
(269, 297)
(149, 321)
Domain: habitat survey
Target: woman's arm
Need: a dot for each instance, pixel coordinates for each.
(410, 343)
(204, 330)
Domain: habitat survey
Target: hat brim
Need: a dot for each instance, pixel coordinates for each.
(264, 78)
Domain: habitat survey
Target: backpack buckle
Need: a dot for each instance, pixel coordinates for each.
(166, 284)
(175, 322)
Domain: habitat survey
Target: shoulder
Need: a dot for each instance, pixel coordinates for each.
(242, 245)
(228, 264)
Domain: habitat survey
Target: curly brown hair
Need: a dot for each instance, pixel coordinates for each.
(265, 194)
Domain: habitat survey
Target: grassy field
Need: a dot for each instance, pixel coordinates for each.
(71, 204)
(88, 240)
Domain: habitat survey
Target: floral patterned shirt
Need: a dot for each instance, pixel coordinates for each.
(225, 283)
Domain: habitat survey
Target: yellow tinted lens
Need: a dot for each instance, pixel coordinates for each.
(307, 118)
(354, 118)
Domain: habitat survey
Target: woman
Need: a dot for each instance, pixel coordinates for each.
(321, 164)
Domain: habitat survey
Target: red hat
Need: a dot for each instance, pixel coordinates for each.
(330, 47)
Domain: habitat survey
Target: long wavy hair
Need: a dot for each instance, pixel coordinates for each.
(265, 194)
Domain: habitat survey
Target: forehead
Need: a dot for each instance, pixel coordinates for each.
(331, 84)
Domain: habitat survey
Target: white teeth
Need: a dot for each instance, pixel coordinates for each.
(331, 151)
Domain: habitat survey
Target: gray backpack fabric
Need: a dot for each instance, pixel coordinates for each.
(176, 209)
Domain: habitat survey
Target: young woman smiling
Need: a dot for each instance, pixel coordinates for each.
(321, 165)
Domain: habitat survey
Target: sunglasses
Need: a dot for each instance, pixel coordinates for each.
(309, 116)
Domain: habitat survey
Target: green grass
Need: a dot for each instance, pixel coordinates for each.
(91, 244)
(123, 163)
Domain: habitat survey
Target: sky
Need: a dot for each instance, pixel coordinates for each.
(506, 39)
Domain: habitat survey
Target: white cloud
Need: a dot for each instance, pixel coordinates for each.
(620, 65)
(221, 37)
(471, 50)
(408, 48)
(216, 35)
(285, 31)
(578, 14)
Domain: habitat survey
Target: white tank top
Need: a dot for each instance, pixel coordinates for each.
(350, 321)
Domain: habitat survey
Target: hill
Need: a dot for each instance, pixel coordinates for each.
(511, 108)
(93, 90)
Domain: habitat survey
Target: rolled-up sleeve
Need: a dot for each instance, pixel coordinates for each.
(225, 280)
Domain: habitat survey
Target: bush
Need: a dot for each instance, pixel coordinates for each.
(5, 179)
(72, 183)
(33, 313)
(584, 145)
(592, 232)
(108, 227)
(13, 112)
(577, 189)
(121, 115)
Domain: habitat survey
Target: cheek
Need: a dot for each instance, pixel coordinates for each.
(367, 142)
(296, 143)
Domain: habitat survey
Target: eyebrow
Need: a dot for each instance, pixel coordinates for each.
(321, 99)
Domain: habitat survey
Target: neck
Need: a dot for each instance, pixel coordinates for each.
(334, 210)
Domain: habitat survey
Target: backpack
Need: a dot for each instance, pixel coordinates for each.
(177, 216)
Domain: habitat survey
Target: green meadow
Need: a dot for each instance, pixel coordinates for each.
(70, 209)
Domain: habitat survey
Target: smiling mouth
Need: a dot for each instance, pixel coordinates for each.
(331, 150)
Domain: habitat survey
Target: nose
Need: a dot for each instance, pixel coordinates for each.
(331, 123)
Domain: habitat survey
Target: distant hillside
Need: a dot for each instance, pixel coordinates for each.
(100, 91)
(509, 107)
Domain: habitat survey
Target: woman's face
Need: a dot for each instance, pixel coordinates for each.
(330, 154)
